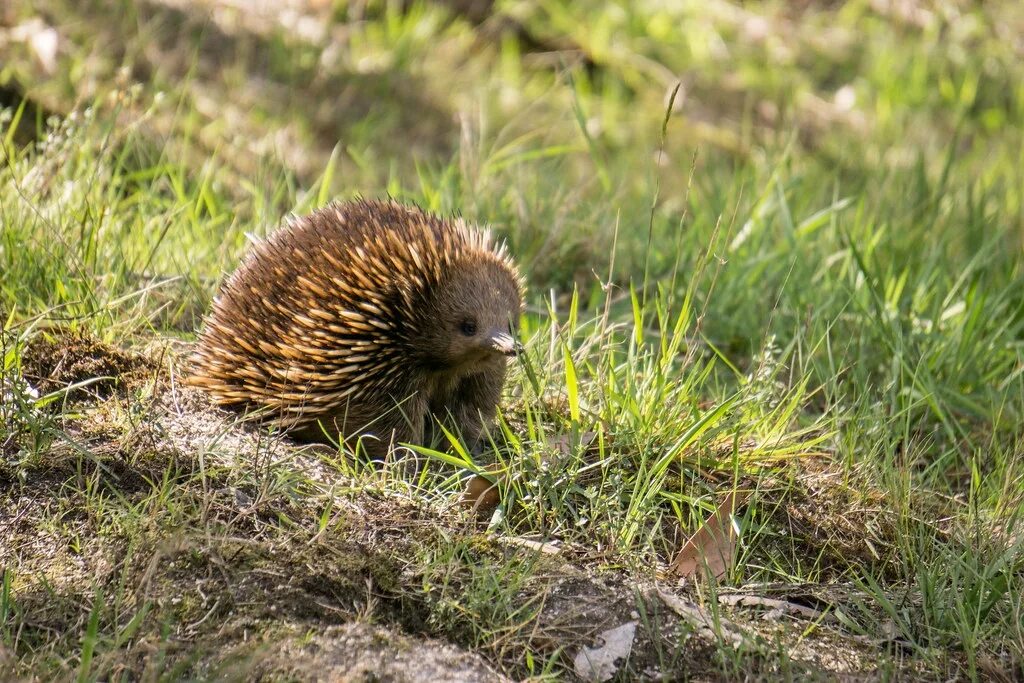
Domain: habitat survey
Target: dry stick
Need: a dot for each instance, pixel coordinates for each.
(775, 605)
(705, 625)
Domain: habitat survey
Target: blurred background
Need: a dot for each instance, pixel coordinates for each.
(540, 114)
(607, 141)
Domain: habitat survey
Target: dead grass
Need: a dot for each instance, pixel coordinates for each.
(208, 548)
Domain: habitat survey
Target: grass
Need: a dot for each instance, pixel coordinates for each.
(799, 274)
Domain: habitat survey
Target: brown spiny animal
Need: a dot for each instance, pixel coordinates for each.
(366, 318)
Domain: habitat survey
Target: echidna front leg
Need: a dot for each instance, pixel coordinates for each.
(377, 432)
(379, 441)
(403, 424)
(471, 405)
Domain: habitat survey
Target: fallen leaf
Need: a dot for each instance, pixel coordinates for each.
(481, 494)
(714, 544)
(599, 663)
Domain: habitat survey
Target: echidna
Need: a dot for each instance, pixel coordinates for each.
(366, 318)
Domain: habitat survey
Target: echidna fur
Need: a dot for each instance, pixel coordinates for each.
(353, 320)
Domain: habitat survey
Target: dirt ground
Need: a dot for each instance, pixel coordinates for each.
(205, 535)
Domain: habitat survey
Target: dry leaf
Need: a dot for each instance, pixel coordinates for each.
(599, 663)
(714, 544)
(481, 494)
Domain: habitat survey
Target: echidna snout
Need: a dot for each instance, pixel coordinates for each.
(365, 319)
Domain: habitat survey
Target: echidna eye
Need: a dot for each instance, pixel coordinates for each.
(468, 327)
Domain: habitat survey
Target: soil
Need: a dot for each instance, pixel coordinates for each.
(234, 576)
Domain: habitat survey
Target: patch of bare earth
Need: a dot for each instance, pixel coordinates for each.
(360, 650)
(203, 547)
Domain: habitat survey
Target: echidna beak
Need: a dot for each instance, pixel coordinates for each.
(504, 343)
